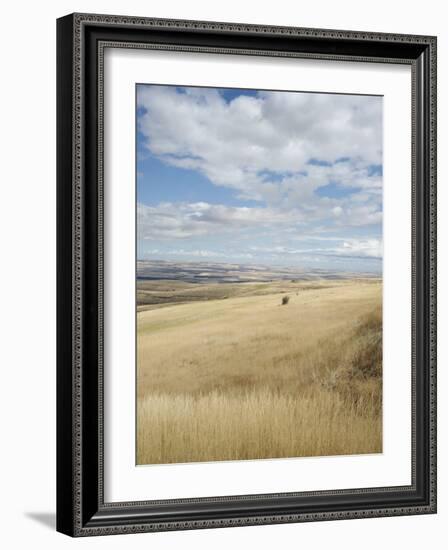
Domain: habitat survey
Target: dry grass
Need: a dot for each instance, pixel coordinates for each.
(257, 424)
(245, 378)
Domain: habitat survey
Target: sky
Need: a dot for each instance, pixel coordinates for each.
(259, 177)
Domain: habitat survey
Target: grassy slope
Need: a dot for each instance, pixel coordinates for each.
(246, 377)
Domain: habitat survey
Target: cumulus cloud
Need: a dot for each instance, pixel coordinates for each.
(239, 144)
(368, 248)
(183, 220)
(353, 248)
(302, 164)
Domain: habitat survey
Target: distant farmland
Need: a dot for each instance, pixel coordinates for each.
(226, 372)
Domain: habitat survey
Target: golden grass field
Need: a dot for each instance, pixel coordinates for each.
(225, 372)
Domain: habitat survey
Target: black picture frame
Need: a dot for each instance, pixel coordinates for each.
(81, 510)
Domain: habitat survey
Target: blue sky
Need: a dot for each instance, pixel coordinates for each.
(258, 177)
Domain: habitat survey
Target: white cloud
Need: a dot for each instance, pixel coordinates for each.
(355, 248)
(351, 248)
(194, 253)
(241, 143)
(304, 158)
(183, 220)
(368, 248)
(183, 252)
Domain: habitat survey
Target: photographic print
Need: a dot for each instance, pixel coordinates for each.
(258, 274)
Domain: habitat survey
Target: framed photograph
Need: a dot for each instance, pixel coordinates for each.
(246, 274)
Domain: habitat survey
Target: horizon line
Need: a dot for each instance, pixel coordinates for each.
(305, 268)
